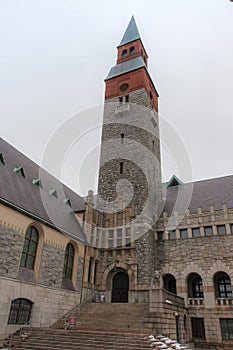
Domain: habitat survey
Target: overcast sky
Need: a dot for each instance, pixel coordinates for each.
(55, 55)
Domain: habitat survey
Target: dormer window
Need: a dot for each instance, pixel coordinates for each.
(124, 54)
(53, 192)
(132, 50)
(37, 182)
(19, 170)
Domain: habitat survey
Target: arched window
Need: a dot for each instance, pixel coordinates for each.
(124, 54)
(195, 286)
(68, 262)
(132, 50)
(222, 284)
(28, 256)
(169, 283)
(20, 311)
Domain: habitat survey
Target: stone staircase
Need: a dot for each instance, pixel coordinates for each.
(117, 317)
(54, 339)
(99, 326)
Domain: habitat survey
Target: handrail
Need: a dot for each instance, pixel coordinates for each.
(21, 334)
(77, 308)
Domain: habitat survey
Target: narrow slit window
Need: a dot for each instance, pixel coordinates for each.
(2, 159)
(121, 167)
(121, 100)
(127, 98)
(122, 138)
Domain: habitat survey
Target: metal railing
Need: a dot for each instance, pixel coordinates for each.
(77, 309)
(20, 334)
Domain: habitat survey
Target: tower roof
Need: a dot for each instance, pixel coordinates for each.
(131, 33)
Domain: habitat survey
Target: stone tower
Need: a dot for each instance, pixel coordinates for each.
(130, 173)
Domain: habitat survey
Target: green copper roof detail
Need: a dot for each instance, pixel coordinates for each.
(19, 170)
(131, 33)
(173, 182)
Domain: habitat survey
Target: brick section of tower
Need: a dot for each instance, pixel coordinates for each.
(136, 80)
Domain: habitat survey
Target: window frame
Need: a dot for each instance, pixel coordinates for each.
(182, 230)
(194, 235)
(219, 229)
(208, 228)
(198, 327)
(223, 290)
(68, 266)
(20, 311)
(226, 330)
(132, 50)
(28, 257)
(195, 286)
(172, 235)
(124, 53)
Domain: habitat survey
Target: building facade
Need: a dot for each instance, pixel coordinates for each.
(137, 241)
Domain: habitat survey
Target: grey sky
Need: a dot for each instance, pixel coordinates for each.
(55, 55)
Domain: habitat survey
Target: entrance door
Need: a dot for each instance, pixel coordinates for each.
(120, 288)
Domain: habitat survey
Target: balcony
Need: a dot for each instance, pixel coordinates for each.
(122, 109)
(224, 301)
(196, 301)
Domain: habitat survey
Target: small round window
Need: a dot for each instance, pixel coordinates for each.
(124, 87)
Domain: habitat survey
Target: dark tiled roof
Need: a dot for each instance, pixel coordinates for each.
(131, 33)
(125, 67)
(200, 194)
(42, 203)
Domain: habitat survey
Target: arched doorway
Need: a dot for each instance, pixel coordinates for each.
(120, 288)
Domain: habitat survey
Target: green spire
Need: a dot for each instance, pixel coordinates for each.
(131, 33)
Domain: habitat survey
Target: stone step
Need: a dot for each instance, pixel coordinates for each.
(116, 316)
(41, 339)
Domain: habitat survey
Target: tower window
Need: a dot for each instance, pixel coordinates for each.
(124, 87)
(2, 159)
(121, 167)
(124, 54)
(121, 99)
(127, 98)
(122, 138)
(132, 51)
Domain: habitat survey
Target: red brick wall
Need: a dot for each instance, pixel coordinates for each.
(137, 79)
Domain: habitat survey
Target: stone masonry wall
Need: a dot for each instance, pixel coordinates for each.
(11, 243)
(206, 256)
(49, 303)
(51, 266)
